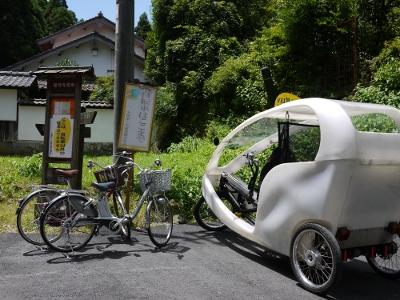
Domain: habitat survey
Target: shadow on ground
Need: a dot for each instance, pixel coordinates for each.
(358, 280)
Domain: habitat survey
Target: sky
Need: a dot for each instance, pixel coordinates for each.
(87, 9)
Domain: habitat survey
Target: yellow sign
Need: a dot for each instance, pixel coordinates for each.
(284, 98)
(62, 135)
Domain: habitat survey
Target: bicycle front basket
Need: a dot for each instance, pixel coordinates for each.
(157, 180)
(110, 173)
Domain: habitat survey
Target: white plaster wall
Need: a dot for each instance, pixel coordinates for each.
(83, 56)
(28, 116)
(8, 105)
(103, 126)
(102, 63)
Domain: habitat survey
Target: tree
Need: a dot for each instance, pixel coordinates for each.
(190, 39)
(21, 23)
(58, 16)
(378, 20)
(143, 27)
(320, 39)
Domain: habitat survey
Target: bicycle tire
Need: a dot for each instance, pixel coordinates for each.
(159, 221)
(387, 266)
(28, 214)
(206, 218)
(315, 258)
(62, 217)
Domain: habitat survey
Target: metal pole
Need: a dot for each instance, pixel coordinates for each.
(124, 55)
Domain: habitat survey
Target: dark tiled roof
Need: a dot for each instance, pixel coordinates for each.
(87, 87)
(87, 104)
(10, 79)
(100, 16)
(65, 70)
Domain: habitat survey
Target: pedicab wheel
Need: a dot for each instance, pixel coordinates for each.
(205, 217)
(388, 266)
(315, 258)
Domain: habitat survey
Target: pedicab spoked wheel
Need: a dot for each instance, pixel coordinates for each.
(387, 265)
(315, 258)
(205, 217)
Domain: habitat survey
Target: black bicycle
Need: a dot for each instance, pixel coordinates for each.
(239, 197)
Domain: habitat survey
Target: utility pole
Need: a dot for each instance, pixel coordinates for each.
(124, 72)
(124, 55)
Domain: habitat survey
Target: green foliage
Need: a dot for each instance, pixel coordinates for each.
(187, 145)
(143, 27)
(390, 52)
(385, 84)
(166, 105)
(190, 39)
(319, 36)
(22, 22)
(58, 16)
(305, 144)
(103, 89)
(30, 166)
(377, 23)
(375, 123)
(67, 62)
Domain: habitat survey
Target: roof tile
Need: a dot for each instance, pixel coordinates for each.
(10, 79)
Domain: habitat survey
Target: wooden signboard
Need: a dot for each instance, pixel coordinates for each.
(137, 117)
(63, 130)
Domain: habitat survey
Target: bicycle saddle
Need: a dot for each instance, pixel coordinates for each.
(104, 186)
(67, 173)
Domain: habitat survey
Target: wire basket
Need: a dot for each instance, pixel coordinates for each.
(111, 174)
(156, 180)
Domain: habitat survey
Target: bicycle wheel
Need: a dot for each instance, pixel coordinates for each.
(28, 214)
(315, 258)
(67, 224)
(206, 218)
(159, 220)
(387, 265)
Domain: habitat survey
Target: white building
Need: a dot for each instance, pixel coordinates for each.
(90, 42)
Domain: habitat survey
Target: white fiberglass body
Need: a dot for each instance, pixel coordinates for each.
(353, 182)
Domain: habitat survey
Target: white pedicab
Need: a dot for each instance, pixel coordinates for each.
(340, 202)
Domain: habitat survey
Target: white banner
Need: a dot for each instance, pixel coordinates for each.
(137, 117)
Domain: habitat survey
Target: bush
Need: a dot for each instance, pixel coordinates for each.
(103, 89)
(30, 166)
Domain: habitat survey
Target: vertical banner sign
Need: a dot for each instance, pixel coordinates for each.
(61, 133)
(137, 117)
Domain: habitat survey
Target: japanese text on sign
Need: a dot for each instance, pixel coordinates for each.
(61, 129)
(137, 117)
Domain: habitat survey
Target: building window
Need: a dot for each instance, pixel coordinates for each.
(7, 131)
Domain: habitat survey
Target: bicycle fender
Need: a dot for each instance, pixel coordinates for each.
(79, 203)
